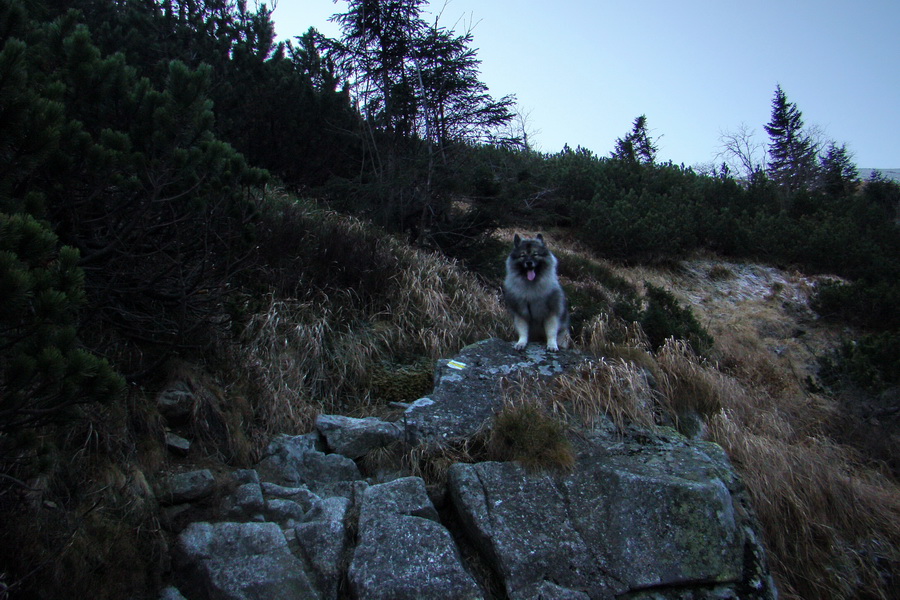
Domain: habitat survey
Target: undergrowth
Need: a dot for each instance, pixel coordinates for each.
(349, 301)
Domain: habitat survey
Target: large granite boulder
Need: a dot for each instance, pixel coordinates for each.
(633, 515)
(466, 392)
(403, 551)
(355, 438)
(240, 561)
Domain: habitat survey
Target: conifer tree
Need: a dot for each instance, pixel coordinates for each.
(792, 155)
(456, 105)
(44, 370)
(839, 173)
(636, 146)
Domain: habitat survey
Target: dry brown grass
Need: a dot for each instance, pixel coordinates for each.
(831, 527)
(690, 383)
(301, 356)
(432, 461)
(606, 388)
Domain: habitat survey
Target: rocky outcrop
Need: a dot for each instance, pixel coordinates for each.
(403, 551)
(465, 392)
(631, 516)
(643, 514)
(234, 561)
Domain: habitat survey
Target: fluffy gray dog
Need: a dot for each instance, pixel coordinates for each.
(533, 296)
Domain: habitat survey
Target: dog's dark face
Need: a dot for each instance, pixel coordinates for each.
(529, 257)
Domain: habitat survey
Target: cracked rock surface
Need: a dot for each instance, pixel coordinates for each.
(642, 515)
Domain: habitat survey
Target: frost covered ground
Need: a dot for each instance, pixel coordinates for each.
(756, 306)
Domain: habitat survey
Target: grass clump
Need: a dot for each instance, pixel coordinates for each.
(607, 388)
(690, 383)
(524, 431)
(719, 272)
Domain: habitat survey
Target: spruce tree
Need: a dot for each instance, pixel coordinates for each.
(792, 156)
(839, 174)
(636, 146)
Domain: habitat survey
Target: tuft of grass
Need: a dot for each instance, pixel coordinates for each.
(432, 461)
(603, 334)
(524, 431)
(402, 383)
(220, 420)
(720, 272)
(613, 388)
(690, 384)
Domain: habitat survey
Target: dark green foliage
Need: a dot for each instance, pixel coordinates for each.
(839, 174)
(868, 304)
(279, 104)
(664, 317)
(44, 372)
(871, 362)
(636, 146)
(300, 253)
(792, 157)
(128, 172)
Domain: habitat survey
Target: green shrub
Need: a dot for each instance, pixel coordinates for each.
(43, 371)
(872, 362)
(870, 305)
(664, 317)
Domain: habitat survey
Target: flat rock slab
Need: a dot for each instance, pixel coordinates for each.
(187, 487)
(466, 389)
(403, 552)
(631, 516)
(355, 438)
(240, 561)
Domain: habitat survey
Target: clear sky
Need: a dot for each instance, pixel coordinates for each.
(584, 69)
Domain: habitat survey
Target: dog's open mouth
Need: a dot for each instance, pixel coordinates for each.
(531, 275)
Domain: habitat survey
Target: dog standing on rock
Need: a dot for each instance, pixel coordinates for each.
(533, 296)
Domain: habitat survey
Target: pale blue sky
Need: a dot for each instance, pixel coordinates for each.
(583, 69)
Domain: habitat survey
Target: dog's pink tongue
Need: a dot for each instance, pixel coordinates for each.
(531, 275)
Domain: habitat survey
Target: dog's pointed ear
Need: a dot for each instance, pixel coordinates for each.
(540, 238)
(516, 241)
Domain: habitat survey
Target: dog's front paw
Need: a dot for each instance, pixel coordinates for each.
(520, 345)
(552, 346)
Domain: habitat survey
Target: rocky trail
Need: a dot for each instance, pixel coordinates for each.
(642, 515)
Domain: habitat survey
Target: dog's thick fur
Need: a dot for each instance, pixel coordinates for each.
(533, 296)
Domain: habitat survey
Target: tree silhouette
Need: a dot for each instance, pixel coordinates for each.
(792, 155)
(839, 174)
(636, 146)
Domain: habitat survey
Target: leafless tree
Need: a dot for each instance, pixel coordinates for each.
(743, 154)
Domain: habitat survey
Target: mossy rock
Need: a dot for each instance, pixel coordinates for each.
(393, 382)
